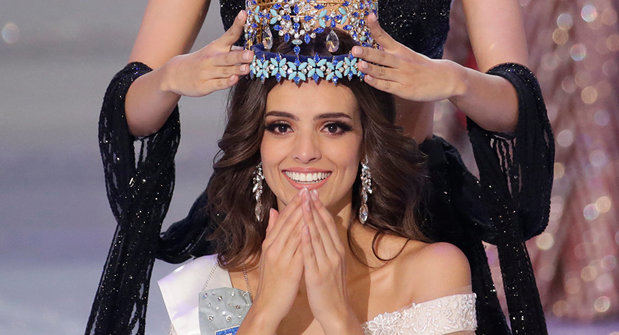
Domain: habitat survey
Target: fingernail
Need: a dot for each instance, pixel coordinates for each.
(247, 55)
(314, 194)
(240, 14)
(244, 68)
(356, 51)
(362, 65)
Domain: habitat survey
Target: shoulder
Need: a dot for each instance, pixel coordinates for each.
(433, 270)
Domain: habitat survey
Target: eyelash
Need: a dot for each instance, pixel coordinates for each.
(273, 126)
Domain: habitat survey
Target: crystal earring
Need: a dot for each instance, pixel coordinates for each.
(366, 188)
(257, 190)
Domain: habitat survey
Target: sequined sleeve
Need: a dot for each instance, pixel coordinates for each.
(518, 166)
(516, 174)
(139, 188)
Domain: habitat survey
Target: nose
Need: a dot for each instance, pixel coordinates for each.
(306, 148)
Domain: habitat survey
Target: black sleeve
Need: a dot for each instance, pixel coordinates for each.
(139, 189)
(516, 170)
(516, 174)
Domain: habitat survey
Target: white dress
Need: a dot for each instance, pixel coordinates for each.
(444, 315)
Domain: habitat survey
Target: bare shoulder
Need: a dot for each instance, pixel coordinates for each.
(432, 270)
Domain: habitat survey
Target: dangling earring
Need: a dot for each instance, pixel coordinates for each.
(257, 190)
(366, 188)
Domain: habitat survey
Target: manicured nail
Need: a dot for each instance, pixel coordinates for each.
(356, 51)
(362, 65)
(314, 194)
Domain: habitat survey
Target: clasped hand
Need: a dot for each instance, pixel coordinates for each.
(396, 69)
(301, 241)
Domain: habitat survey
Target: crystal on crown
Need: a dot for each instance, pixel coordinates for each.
(299, 22)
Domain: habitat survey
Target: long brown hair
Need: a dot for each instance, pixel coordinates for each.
(397, 165)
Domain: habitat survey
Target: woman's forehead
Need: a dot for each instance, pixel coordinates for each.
(311, 99)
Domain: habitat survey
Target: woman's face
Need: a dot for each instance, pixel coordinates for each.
(312, 139)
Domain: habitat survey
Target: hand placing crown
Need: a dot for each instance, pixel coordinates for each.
(300, 22)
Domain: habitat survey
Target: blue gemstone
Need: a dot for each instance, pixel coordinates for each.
(316, 77)
(319, 6)
(277, 6)
(286, 37)
(296, 25)
(308, 18)
(346, 3)
(297, 62)
(277, 27)
(296, 9)
(307, 38)
(347, 27)
(296, 49)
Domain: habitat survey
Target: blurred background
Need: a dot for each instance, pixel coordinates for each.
(57, 58)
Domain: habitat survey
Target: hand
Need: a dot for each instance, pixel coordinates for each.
(324, 267)
(403, 72)
(214, 67)
(281, 262)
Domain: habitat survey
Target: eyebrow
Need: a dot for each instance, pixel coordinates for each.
(317, 117)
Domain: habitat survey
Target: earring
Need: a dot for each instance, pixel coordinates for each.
(366, 188)
(257, 190)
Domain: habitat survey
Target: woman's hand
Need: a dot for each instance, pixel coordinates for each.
(281, 265)
(214, 67)
(403, 72)
(325, 270)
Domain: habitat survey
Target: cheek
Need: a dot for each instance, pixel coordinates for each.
(346, 156)
(272, 153)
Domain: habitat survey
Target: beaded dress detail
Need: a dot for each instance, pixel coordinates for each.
(507, 205)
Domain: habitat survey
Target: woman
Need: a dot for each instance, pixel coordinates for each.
(459, 208)
(308, 142)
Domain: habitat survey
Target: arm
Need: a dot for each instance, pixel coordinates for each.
(497, 36)
(169, 28)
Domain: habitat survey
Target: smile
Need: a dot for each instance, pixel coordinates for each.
(309, 180)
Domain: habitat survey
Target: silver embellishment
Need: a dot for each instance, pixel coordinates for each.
(267, 38)
(257, 190)
(332, 41)
(218, 312)
(366, 188)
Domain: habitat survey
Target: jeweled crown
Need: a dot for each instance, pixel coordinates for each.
(299, 22)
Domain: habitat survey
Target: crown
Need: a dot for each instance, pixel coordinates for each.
(299, 22)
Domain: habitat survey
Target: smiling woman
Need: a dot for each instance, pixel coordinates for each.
(312, 136)
(341, 184)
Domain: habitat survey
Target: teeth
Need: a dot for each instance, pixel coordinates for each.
(307, 177)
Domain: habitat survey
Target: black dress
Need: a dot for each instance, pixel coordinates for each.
(506, 206)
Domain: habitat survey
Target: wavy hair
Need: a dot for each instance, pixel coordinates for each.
(397, 165)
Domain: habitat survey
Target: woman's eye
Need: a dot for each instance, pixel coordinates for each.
(337, 128)
(278, 128)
